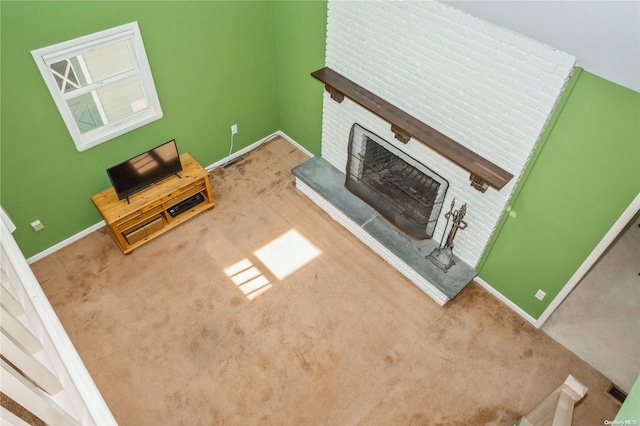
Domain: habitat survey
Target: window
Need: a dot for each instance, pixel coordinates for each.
(101, 84)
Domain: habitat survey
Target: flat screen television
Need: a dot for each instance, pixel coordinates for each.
(145, 169)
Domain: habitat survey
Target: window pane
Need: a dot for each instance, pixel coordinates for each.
(122, 98)
(92, 67)
(85, 112)
(64, 73)
(108, 61)
(108, 104)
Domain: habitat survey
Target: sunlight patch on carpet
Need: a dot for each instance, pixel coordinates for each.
(282, 256)
(248, 278)
(287, 253)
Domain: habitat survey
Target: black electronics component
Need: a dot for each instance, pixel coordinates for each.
(185, 205)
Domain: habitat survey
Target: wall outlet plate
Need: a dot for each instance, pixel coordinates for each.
(234, 129)
(37, 225)
(540, 294)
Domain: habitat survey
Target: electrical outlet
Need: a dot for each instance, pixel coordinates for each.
(234, 129)
(37, 225)
(540, 294)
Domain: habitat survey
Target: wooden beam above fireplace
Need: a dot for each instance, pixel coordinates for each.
(404, 126)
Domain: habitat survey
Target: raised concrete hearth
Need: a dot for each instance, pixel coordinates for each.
(324, 185)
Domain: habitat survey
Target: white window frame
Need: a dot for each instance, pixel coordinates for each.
(65, 50)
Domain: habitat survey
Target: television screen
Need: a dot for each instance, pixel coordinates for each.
(145, 169)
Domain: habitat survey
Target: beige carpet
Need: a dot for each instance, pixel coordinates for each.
(265, 311)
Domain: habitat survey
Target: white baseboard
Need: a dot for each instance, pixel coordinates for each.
(294, 143)
(240, 153)
(218, 163)
(255, 145)
(536, 323)
(66, 242)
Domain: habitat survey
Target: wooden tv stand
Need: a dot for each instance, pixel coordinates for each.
(155, 210)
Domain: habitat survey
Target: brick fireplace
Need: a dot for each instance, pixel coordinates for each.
(487, 88)
(407, 193)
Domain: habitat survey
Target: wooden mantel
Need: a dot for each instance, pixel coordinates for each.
(404, 126)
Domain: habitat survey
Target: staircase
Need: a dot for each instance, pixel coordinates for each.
(557, 408)
(40, 369)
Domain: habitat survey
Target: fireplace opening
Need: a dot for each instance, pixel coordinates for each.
(404, 191)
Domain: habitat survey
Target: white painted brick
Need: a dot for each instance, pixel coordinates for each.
(540, 64)
(473, 81)
(552, 83)
(544, 52)
(563, 70)
(438, 20)
(559, 57)
(512, 131)
(460, 30)
(513, 52)
(497, 33)
(533, 113)
(516, 116)
(542, 99)
(568, 63)
(531, 82)
(526, 68)
(516, 85)
(527, 45)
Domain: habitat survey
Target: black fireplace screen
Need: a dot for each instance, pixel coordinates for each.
(401, 189)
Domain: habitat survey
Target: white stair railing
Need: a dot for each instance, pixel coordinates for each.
(557, 408)
(42, 372)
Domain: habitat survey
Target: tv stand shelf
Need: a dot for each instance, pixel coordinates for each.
(157, 209)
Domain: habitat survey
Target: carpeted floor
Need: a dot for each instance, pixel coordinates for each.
(596, 308)
(265, 311)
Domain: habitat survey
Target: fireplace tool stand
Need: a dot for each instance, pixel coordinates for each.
(442, 257)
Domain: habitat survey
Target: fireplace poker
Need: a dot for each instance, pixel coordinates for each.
(442, 256)
(446, 225)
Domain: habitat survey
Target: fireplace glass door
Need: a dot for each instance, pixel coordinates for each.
(405, 192)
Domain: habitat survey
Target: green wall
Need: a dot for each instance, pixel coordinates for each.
(214, 64)
(584, 174)
(630, 409)
(299, 94)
